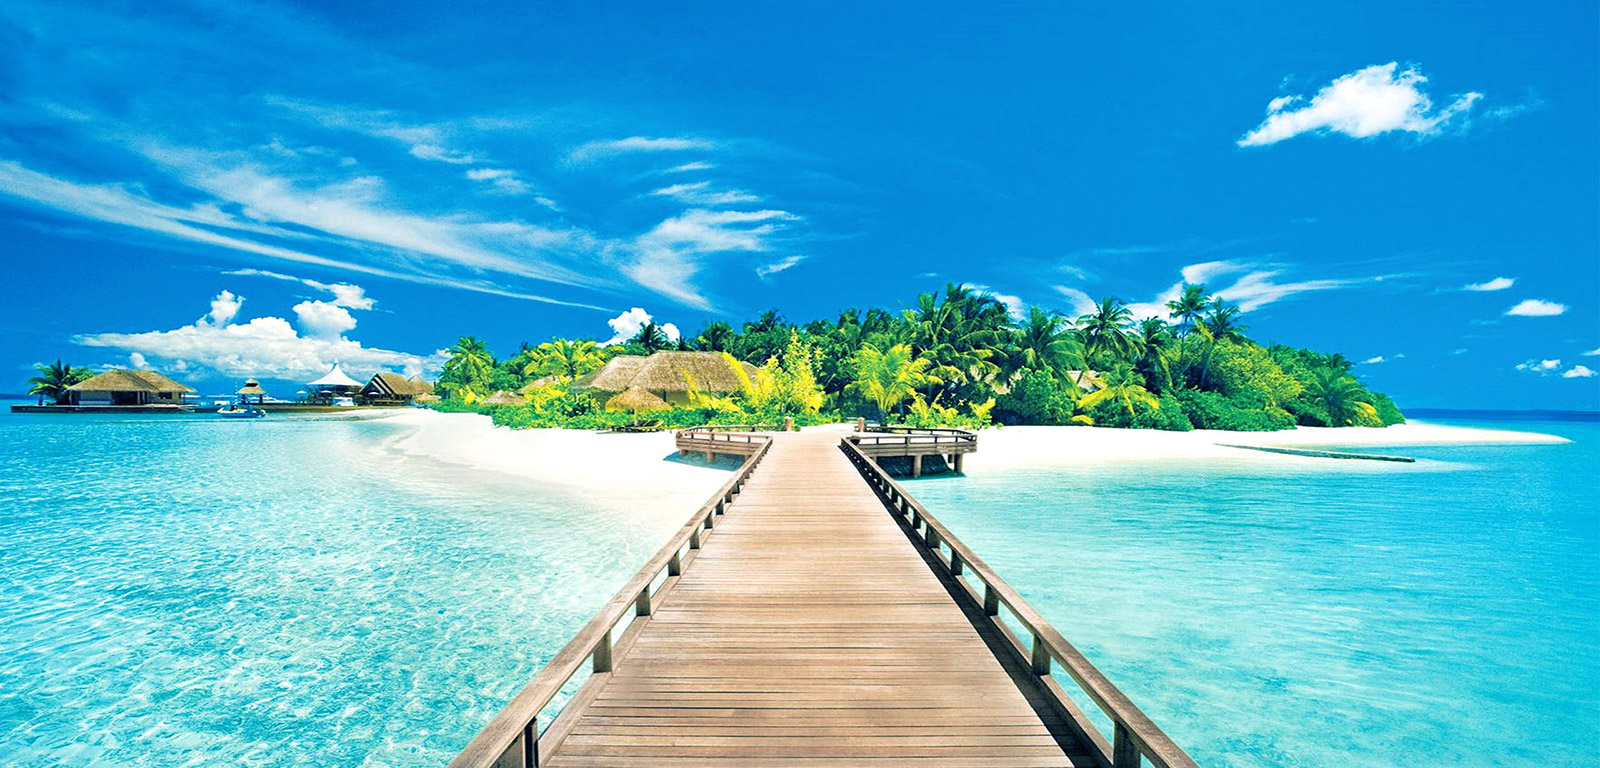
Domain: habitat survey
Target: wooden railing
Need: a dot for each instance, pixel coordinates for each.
(719, 439)
(939, 439)
(1133, 736)
(512, 738)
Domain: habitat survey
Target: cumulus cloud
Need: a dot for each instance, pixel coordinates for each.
(1536, 308)
(1375, 100)
(1541, 367)
(768, 270)
(1373, 360)
(344, 294)
(224, 308)
(1592, 352)
(1578, 372)
(137, 361)
(1015, 307)
(597, 150)
(1497, 284)
(267, 347)
(324, 319)
(626, 325)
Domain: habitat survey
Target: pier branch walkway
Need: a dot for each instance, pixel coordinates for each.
(814, 614)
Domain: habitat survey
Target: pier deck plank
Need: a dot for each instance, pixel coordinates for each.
(810, 631)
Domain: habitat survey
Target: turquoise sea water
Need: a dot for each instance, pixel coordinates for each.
(1323, 613)
(183, 591)
(289, 592)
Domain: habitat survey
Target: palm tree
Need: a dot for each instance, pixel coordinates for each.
(715, 337)
(54, 379)
(1045, 342)
(1188, 307)
(960, 334)
(1220, 324)
(566, 360)
(889, 378)
(1344, 399)
(651, 337)
(470, 363)
(1105, 329)
(1154, 341)
(1122, 385)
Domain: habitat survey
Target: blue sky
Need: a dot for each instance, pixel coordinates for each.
(225, 189)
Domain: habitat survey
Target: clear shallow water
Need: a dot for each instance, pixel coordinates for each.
(1323, 613)
(184, 591)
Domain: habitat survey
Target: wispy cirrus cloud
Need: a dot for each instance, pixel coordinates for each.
(599, 150)
(701, 193)
(1250, 286)
(788, 262)
(1496, 284)
(1371, 101)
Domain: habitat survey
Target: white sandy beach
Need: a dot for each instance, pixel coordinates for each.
(642, 471)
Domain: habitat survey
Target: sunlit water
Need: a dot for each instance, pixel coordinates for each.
(284, 592)
(1323, 613)
(288, 592)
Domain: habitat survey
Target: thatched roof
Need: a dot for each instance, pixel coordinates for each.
(503, 397)
(251, 387)
(335, 377)
(636, 399)
(666, 372)
(427, 398)
(126, 380)
(395, 384)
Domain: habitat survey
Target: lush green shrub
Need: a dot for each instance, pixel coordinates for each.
(1166, 415)
(1388, 412)
(1211, 410)
(1035, 398)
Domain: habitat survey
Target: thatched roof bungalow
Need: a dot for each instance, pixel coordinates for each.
(122, 386)
(667, 375)
(251, 392)
(636, 399)
(503, 397)
(394, 389)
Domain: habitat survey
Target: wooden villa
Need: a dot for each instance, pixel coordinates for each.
(394, 389)
(670, 376)
(117, 390)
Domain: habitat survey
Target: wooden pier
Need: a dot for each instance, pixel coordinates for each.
(811, 613)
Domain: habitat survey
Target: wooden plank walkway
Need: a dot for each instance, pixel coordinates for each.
(811, 631)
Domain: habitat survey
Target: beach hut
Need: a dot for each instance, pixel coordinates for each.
(668, 375)
(394, 389)
(126, 387)
(251, 392)
(635, 399)
(503, 397)
(334, 383)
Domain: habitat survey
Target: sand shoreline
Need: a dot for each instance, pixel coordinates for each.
(643, 470)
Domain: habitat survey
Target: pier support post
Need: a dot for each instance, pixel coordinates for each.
(710, 457)
(861, 424)
(916, 466)
(1124, 753)
(955, 462)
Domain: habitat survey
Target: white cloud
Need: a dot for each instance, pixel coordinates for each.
(503, 181)
(224, 308)
(137, 361)
(1536, 308)
(1368, 102)
(700, 193)
(1015, 307)
(1082, 303)
(422, 141)
(768, 270)
(1255, 287)
(626, 325)
(698, 165)
(596, 150)
(1373, 360)
(668, 257)
(1541, 367)
(1497, 284)
(1578, 372)
(344, 294)
(324, 319)
(1592, 352)
(263, 347)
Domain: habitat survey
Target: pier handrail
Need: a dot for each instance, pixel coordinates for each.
(1135, 734)
(727, 434)
(877, 434)
(517, 725)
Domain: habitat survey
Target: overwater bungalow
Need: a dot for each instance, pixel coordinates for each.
(667, 375)
(120, 389)
(394, 389)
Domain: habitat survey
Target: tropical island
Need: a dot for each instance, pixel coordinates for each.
(956, 358)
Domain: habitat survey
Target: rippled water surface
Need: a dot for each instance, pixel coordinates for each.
(284, 592)
(1323, 613)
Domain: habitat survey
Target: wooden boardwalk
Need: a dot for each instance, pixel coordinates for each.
(814, 628)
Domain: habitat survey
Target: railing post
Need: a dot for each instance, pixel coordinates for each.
(530, 743)
(694, 538)
(955, 562)
(602, 654)
(1041, 656)
(932, 539)
(1124, 753)
(675, 565)
(991, 600)
(641, 604)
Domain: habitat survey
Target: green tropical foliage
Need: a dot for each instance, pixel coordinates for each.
(54, 379)
(958, 356)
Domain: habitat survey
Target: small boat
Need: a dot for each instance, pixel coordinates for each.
(236, 412)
